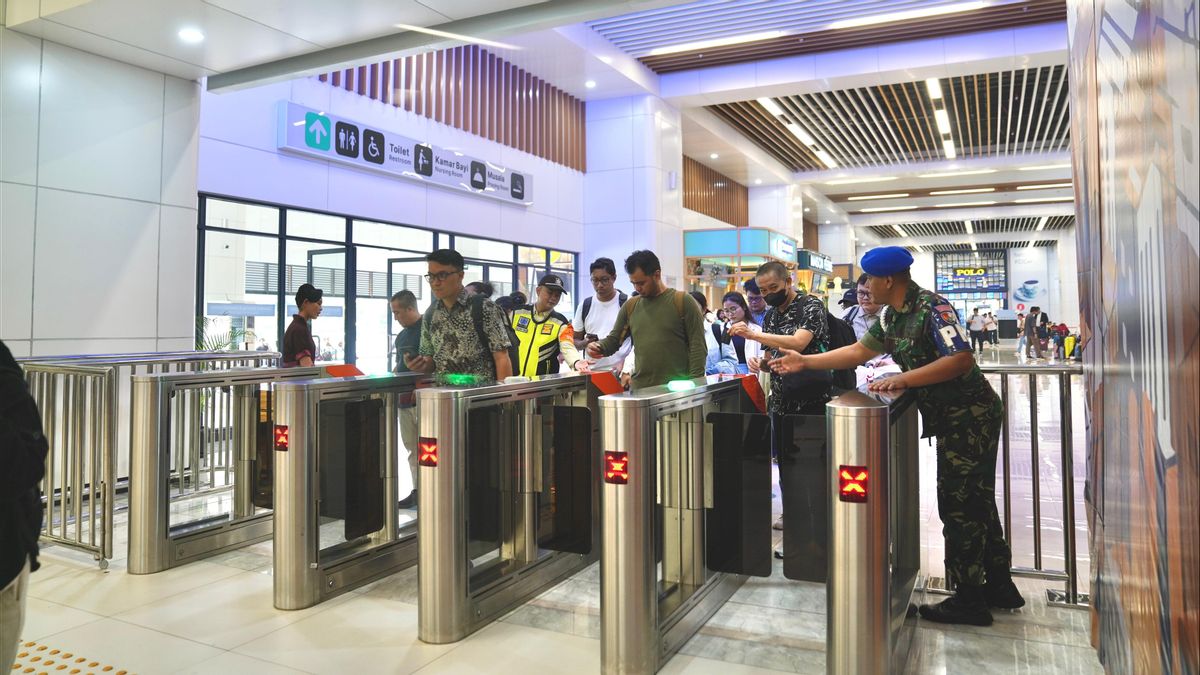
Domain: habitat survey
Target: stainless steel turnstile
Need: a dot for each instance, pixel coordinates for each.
(657, 501)
(195, 455)
(874, 534)
(508, 498)
(336, 444)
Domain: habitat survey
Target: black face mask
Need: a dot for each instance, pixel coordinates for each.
(777, 298)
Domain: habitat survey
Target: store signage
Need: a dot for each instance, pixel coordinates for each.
(308, 132)
(782, 247)
(969, 272)
(814, 261)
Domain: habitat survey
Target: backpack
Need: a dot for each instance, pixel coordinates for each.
(476, 303)
(587, 306)
(841, 334)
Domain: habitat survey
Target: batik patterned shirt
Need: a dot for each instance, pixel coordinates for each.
(449, 335)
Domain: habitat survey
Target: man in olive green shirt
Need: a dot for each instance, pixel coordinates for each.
(666, 327)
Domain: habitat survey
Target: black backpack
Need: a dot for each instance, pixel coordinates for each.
(841, 334)
(587, 306)
(476, 303)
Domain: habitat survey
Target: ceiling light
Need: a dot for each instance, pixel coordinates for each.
(828, 221)
(852, 181)
(947, 174)
(713, 155)
(456, 36)
(1044, 186)
(894, 195)
(1030, 244)
(899, 230)
(590, 84)
(943, 121)
(907, 15)
(974, 248)
(1042, 167)
(771, 106)
(800, 133)
(191, 35)
(1044, 199)
(1042, 223)
(934, 88)
(717, 42)
(826, 159)
(964, 191)
(948, 149)
(970, 227)
(806, 209)
(877, 209)
(954, 204)
(758, 181)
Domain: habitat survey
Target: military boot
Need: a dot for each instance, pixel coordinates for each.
(966, 606)
(1001, 593)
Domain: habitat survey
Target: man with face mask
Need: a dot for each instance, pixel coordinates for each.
(921, 331)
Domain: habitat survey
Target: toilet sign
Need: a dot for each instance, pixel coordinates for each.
(311, 133)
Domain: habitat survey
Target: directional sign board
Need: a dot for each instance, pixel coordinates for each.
(307, 132)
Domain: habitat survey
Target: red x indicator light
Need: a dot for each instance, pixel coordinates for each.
(616, 468)
(281, 437)
(852, 484)
(428, 454)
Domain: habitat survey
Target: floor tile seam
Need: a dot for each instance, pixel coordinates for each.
(49, 636)
(168, 596)
(988, 633)
(324, 607)
(784, 609)
(170, 635)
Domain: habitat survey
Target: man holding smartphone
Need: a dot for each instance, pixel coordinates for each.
(408, 345)
(596, 316)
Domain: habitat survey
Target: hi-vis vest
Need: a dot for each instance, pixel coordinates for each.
(538, 348)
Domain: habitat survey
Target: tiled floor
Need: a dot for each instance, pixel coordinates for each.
(217, 616)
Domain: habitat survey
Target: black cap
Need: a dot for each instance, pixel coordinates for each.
(308, 292)
(553, 282)
(850, 297)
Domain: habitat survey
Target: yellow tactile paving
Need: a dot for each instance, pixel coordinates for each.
(38, 659)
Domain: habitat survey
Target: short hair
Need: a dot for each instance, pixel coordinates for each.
(405, 298)
(307, 292)
(751, 286)
(700, 299)
(645, 261)
(862, 279)
(483, 288)
(519, 298)
(505, 303)
(773, 267)
(446, 256)
(739, 300)
(605, 264)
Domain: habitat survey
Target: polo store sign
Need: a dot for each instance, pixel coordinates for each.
(311, 133)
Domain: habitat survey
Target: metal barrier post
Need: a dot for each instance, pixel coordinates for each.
(296, 538)
(149, 546)
(859, 636)
(245, 426)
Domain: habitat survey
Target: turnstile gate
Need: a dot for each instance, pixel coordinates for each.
(508, 498)
(337, 525)
(199, 457)
(686, 512)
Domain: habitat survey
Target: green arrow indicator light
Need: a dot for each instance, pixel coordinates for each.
(680, 385)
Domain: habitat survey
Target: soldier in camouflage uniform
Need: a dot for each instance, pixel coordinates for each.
(922, 333)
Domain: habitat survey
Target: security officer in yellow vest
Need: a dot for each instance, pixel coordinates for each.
(920, 329)
(542, 333)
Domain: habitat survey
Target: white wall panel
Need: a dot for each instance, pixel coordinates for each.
(93, 346)
(101, 126)
(265, 175)
(18, 348)
(610, 144)
(374, 196)
(176, 288)
(181, 142)
(20, 74)
(607, 198)
(17, 207)
(246, 117)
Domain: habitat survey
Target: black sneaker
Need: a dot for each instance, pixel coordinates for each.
(1003, 595)
(409, 502)
(957, 609)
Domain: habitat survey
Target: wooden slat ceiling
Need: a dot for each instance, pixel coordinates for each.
(982, 247)
(1004, 113)
(959, 228)
(792, 27)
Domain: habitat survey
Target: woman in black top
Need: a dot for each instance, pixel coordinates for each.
(298, 346)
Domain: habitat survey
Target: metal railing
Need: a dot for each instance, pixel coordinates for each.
(85, 406)
(1070, 596)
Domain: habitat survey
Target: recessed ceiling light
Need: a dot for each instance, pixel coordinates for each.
(948, 148)
(966, 172)
(826, 159)
(899, 230)
(806, 209)
(853, 181)
(877, 209)
(456, 36)
(771, 106)
(907, 15)
(1044, 199)
(800, 133)
(1045, 186)
(713, 155)
(943, 121)
(1042, 223)
(758, 181)
(590, 84)
(828, 221)
(894, 195)
(1042, 167)
(964, 191)
(191, 35)
(970, 227)
(954, 204)
(717, 42)
(974, 248)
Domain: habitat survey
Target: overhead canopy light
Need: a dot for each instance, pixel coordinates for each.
(934, 88)
(899, 230)
(456, 36)
(1044, 199)
(974, 247)
(800, 133)
(948, 149)
(908, 15)
(1044, 167)
(1042, 223)
(878, 209)
(957, 204)
(947, 174)
(894, 195)
(826, 159)
(970, 227)
(771, 106)
(854, 181)
(943, 121)
(964, 191)
(716, 42)
(1045, 186)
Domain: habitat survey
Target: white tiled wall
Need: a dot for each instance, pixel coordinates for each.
(97, 216)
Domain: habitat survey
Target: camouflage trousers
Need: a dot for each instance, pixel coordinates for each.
(966, 491)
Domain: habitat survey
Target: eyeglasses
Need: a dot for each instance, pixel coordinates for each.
(864, 294)
(440, 276)
(601, 280)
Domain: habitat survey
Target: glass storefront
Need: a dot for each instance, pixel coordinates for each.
(246, 298)
(973, 280)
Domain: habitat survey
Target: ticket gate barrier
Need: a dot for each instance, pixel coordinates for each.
(200, 463)
(337, 525)
(508, 498)
(686, 504)
(874, 534)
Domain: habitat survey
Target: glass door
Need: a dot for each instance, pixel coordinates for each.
(402, 274)
(326, 269)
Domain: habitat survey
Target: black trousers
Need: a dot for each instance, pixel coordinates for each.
(977, 340)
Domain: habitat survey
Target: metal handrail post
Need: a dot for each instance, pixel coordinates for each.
(1036, 470)
(1006, 449)
(149, 500)
(1068, 479)
(296, 536)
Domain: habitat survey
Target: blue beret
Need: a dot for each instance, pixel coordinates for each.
(886, 260)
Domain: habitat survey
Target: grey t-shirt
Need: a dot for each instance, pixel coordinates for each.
(408, 343)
